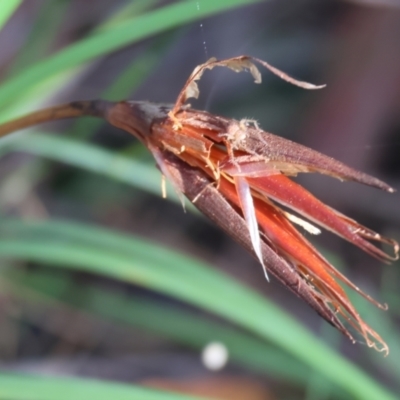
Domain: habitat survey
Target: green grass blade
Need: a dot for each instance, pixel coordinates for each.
(132, 8)
(41, 38)
(162, 270)
(92, 158)
(38, 43)
(89, 157)
(127, 32)
(28, 387)
(172, 322)
(7, 8)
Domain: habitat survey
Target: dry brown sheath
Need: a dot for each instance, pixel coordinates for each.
(238, 175)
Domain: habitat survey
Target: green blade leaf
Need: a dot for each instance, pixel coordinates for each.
(28, 387)
(117, 256)
(148, 24)
(182, 326)
(88, 156)
(7, 8)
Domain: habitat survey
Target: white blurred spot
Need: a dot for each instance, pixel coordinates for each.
(215, 356)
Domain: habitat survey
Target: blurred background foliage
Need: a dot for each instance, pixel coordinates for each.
(102, 280)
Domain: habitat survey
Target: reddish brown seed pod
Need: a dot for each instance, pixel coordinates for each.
(238, 175)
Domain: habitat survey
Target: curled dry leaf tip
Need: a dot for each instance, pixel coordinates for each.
(238, 175)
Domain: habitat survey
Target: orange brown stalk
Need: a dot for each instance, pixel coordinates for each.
(237, 175)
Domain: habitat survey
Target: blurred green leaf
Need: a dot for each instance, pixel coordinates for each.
(88, 156)
(93, 158)
(104, 42)
(28, 387)
(7, 8)
(41, 35)
(182, 326)
(96, 250)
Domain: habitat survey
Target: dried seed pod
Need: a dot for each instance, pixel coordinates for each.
(237, 174)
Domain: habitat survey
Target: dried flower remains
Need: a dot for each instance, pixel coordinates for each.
(238, 175)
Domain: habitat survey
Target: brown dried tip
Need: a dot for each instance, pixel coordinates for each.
(237, 64)
(238, 175)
